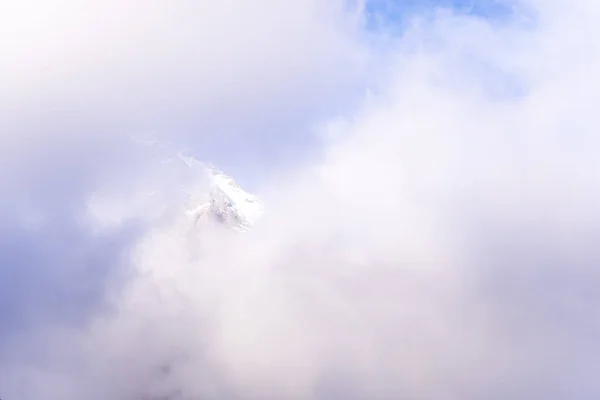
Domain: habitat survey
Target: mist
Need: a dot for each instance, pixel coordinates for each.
(430, 181)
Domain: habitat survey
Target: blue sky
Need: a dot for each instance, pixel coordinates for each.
(396, 10)
(431, 191)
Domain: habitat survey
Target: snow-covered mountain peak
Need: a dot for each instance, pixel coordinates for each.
(225, 201)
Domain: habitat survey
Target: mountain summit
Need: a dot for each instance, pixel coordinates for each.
(226, 202)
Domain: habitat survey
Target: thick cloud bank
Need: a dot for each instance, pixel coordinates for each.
(432, 202)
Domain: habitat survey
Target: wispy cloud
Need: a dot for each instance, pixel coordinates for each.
(433, 235)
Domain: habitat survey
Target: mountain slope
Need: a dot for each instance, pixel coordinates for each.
(225, 202)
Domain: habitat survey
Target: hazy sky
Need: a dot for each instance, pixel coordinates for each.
(431, 178)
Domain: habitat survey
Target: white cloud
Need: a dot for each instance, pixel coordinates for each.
(193, 72)
(438, 244)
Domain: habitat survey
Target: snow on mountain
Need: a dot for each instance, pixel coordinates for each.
(226, 201)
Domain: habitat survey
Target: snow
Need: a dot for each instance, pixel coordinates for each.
(228, 202)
